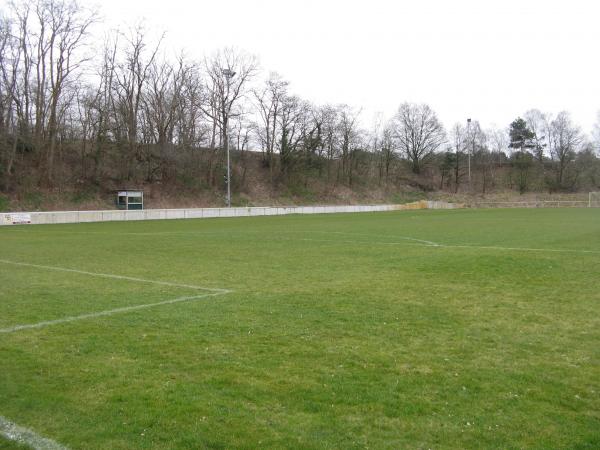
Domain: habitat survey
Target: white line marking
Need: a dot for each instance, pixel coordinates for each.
(344, 241)
(430, 243)
(117, 277)
(422, 243)
(437, 244)
(106, 313)
(525, 249)
(109, 312)
(22, 435)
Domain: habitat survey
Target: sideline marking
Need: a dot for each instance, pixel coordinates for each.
(117, 277)
(525, 249)
(107, 312)
(22, 435)
(422, 243)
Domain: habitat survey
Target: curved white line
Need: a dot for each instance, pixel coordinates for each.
(22, 435)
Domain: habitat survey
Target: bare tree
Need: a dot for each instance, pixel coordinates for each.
(459, 140)
(9, 100)
(130, 79)
(290, 123)
(161, 105)
(105, 106)
(382, 144)
(387, 152)
(61, 30)
(418, 133)
(596, 134)
(498, 141)
(242, 130)
(330, 138)
(349, 140)
(268, 104)
(192, 132)
(138, 114)
(228, 72)
(565, 140)
(480, 158)
(539, 124)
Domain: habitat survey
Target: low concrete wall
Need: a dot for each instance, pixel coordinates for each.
(55, 217)
(533, 204)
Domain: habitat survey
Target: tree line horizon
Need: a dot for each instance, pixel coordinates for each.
(142, 117)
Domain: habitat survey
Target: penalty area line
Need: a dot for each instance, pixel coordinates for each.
(116, 277)
(109, 312)
(208, 292)
(22, 435)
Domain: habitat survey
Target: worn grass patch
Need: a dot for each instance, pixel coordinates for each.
(342, 331)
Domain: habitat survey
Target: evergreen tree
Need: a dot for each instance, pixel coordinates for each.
(521, 136)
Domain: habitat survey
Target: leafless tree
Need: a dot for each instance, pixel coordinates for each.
(349, 140)
(418, 133)
(130, 78)
(105, 106)
(498, 140)
(382, 143)
(291, 120)
(459, 141)
(269, 101)
(596, 134)
(228, 73)
(539, 123)
(134, 113)
(52, 45)
(330, 138)
(387, 151)
(565, 140)
(161, 102)
(9, 100)
(241, 131)
(192, 132)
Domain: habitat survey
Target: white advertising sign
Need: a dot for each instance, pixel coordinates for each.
(18, 218)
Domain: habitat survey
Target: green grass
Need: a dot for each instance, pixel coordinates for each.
(6, 444)
(340, 332)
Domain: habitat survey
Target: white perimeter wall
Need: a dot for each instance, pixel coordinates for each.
(201, 213)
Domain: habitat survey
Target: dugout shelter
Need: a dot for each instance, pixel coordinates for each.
(130, 199)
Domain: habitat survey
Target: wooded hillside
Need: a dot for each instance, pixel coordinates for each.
(77, 121)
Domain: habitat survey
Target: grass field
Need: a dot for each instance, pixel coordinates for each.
(416, 329)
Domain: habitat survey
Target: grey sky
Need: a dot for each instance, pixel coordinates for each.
(489, 60)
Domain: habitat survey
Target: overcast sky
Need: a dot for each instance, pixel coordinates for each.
(489, 60)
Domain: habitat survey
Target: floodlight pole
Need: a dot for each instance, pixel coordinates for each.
(229, 74)
(228, 170)
(469, 152)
